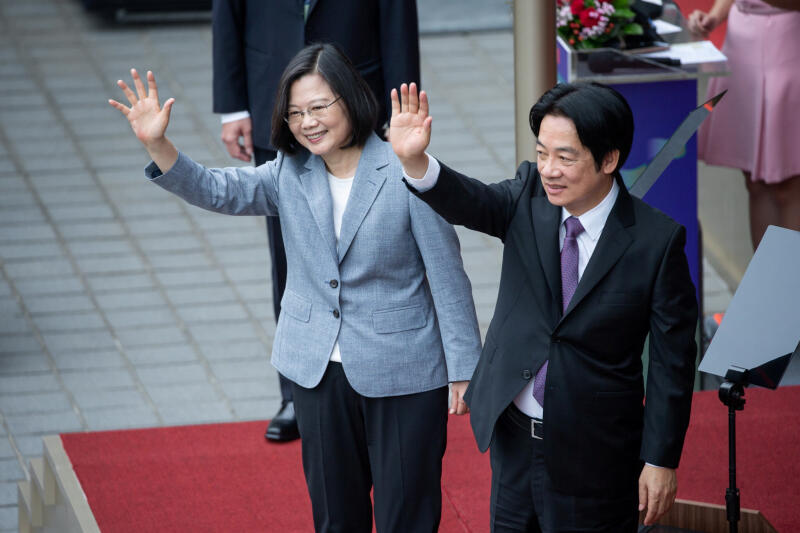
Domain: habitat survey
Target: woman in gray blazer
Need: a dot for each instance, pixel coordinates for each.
(377, 316)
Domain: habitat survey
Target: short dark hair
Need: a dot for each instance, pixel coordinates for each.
(602, 117)
(332, 64)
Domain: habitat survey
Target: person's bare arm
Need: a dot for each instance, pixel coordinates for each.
(702, 23)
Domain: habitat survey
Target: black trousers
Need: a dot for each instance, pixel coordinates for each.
(524, 500)
(352, 443)
(278, 256)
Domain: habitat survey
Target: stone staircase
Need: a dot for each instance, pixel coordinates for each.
(52, 501)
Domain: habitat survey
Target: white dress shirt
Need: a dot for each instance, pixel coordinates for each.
(340, 192)
(230, 117)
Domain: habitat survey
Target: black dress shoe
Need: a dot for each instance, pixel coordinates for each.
(283, 426)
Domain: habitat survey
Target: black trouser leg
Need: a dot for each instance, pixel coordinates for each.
(511, 503)
(350, 440)
(335, 457)
(524, 500)
(277, 255)
(407, 436)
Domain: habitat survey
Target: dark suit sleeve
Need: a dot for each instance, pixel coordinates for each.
(673, 353)
(468, 202)
(230, 76)
(399, 42)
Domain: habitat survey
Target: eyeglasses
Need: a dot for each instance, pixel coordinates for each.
(315, 111)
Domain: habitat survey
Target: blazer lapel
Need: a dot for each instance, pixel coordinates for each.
(613, 242)
(314, 182)
(367, 183)
(546, 218)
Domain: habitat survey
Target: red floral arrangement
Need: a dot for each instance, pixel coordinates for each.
(595, 23)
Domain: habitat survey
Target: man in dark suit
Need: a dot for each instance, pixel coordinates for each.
(588, 273)
(253, 41)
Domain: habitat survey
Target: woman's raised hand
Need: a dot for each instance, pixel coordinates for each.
(410, 129)
(147, 118)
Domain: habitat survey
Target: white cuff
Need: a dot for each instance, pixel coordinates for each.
(428, 181)
(230, 117)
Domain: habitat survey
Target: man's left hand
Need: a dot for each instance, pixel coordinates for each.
(657, 489)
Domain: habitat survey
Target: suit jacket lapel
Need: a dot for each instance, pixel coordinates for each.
(546, 218)
(369, 178)
(315, 185)
(613, 242)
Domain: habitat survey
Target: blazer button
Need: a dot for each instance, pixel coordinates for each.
(526, 374)
(335, 313)
(334, 284)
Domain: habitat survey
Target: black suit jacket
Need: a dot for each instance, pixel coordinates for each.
(597, 432)
(254, 40)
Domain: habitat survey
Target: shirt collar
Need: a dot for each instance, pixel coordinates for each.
(595, 218)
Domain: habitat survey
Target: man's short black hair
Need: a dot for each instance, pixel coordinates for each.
(601, 115)
(332, 64)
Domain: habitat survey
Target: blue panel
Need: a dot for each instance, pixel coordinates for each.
(562, 63)
(658, 109)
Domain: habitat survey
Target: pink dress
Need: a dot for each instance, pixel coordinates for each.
(756, 126)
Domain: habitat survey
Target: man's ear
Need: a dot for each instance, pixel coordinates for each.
(610, 161)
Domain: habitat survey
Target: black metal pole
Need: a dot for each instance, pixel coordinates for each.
(732, 494)
(731, 392)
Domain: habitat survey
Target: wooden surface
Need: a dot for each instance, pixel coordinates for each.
(711, 518)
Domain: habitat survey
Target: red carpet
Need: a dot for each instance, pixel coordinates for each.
(226, 477)
(767, 454)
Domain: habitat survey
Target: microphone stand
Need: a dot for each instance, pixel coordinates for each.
(731, 393)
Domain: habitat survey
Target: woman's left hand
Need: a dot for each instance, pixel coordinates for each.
(457, 390)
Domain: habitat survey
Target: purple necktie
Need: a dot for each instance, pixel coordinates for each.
(569, 282)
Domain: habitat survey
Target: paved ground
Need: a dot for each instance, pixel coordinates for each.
(122, 307)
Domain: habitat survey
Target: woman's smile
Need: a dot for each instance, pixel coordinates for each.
(315, 137)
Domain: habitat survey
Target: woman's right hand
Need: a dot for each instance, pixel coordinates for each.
(701, 23)
(146, 116)
(148, 119)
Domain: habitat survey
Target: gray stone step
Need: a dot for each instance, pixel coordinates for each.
(53, 500)
(29, 507)
(44, 480)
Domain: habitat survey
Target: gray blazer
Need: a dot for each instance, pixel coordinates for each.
(392, 289)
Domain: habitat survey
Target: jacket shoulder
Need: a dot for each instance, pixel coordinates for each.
(653, 217)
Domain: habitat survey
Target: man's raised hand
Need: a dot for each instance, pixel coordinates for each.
(410, 129)
(146, 116)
